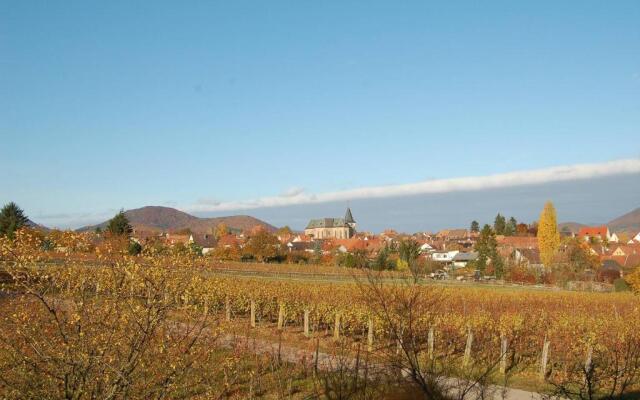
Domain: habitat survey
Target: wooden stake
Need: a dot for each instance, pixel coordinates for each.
(467, 350)
(503, 354)
(545, 358)
(588, 364)
(370, 335)
(306, 323)
(227, 306)
(253, 314)
(281, 316)
(430, 343)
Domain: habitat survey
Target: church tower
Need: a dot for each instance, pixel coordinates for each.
(348, 219)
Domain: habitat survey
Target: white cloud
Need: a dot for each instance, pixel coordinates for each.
(292, 192)
(510, 179)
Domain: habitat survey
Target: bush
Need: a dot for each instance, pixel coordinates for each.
(134, 248)
(620, 285)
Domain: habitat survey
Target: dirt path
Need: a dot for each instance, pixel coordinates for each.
(326, 361)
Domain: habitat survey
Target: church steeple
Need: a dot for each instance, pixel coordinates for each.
(348, 217)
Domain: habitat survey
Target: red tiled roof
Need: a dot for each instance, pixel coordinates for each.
(593, 231)
(520, 242)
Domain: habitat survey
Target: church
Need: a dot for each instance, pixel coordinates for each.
(332, 228)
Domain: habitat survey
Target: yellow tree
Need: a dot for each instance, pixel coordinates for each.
(634, 280)
(548, 236)
(221, 230)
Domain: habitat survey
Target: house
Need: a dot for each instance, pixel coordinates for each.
(590, 233)
(518, 242)
(308, 247)
(635, 239)
(453, 234)
(175, 238)
(445, 257)
(625, 250)
(332, 228)
(461, 260)
(610, 270)
(426, 248)
(204, 240)
(229, 241)
(527, 257)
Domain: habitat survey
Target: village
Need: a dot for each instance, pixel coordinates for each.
(592, 255)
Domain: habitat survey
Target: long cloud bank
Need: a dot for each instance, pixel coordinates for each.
(471, 183)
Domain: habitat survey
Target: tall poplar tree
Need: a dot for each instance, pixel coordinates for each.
(548, 236)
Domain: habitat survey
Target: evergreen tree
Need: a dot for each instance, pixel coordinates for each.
(510, 228)
(487, 248)
(475, 226)
(12, 218)
(482, 247)
(317, 252)
(119, 225)
(499, 224)
(548, 236)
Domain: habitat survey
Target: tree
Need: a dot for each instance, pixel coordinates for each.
(12, 218)
(119, 225)
(522, 229)
(381, 261)
(408, 253)
(284, 232)
(578, 255)
(487, 248)
(263, 246)
(548, 236)
(221, 230)
(510, 228)
(475, 226)
(634, 280)
(317, 252)
(499, 224)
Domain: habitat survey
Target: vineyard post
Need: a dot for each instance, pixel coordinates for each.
(503, 354)
(467, 350)
(281, 316)
(370, 335)
(430, 343)
(253, 314)
(588, 363)
(336, 327)
(306, 323)
(545, 358)
(227, 306)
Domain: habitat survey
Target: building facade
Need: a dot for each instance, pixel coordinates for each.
(332, 228)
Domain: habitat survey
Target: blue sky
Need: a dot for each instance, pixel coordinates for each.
(113, 104)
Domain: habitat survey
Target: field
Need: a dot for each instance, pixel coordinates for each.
(173, 314)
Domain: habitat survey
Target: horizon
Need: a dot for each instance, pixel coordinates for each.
(567, 205)
(286, 110)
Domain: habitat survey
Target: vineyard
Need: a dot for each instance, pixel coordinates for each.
(542, 338)
(567, 327)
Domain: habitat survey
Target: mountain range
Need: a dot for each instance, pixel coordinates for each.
(629, 223)
(165, 219)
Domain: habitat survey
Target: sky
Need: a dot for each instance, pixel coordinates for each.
(290, 109)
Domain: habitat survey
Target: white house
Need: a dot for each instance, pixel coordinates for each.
(636, 239)
(444, 256)
(426, 248)
(462, 259)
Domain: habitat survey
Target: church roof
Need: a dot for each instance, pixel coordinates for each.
(326, 223)
(348, 218)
